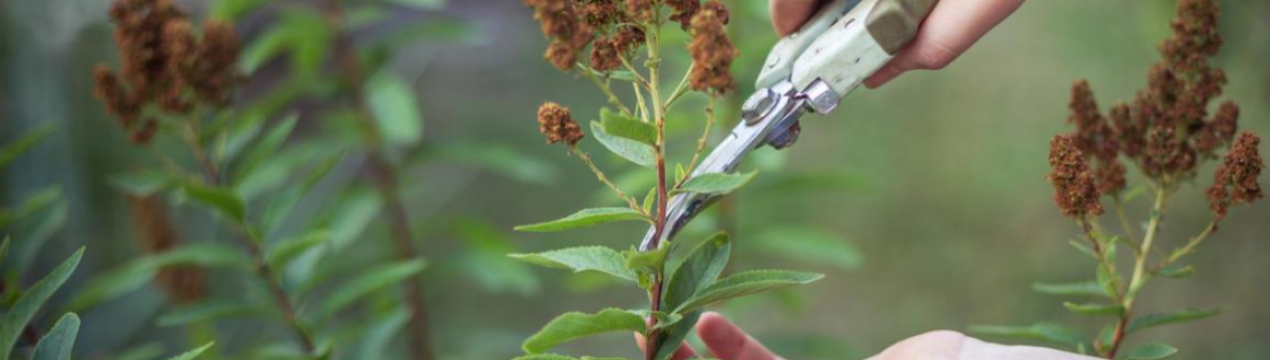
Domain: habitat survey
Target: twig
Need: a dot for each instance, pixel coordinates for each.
(701, 143)
(1140, 276)
(586, 159)
(385, 180)
(608, 92)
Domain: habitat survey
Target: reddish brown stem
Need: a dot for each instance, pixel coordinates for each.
(1118, 336)
(385, 179)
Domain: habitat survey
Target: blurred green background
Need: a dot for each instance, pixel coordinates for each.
(936, 179)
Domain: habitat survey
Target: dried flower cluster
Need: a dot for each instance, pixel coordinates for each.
(1075, 191)
(164, 64)
(157, 234)
(1166, 130)
(712, 50)
(555, 122)
(1236, 179)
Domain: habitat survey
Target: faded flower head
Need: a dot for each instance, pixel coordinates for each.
(165, 63)
(156, 234)
(567, 27)
(1235, 181)
(1074, 190)
(1096, 138)
(555, 122)
(712, 51)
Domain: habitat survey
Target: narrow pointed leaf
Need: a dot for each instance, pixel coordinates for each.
(368, 282)
(698, 271)
(715, 183)
(1049, 332)
(208, 310)
(1151, 351)
(11, 151)
(1179, 316)
(1094, 309)
(745, 283)
(281, 255)
(1177, 272)
(17, 317)
(576, 325)
(674, 336)
(1083, 288)
(396, 110)
(637, 152)
(57, 344)
(580, 259)
(193, 354)
(621, 126)
(143, 183)
(224, 201)
(138, 273)
(584, 218)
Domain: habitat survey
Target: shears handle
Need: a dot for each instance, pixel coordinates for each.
(845, 42)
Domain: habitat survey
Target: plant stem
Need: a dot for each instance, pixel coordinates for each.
(251, 241)
(653, 63)
(1140, 275)
(681, 88)
(1190, 246)
(385, 177)
(586, 159)
(1124, 220)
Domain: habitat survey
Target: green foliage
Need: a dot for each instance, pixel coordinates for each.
(586, 258)
(715, 183)
(224, 201)
(144, 183)
(745, 283)
(628, 128)
(1180, 316)
(1150, 351)
(395, 109)
(57, 344)
(584, 218)
(576, 325)
(1048, 332)
(1095, 309)
(369, 281)
(635, 151)
(139, 272)
(698, 271)
(16, 318)
(1081, 288)
(10, 151)
(193, 354)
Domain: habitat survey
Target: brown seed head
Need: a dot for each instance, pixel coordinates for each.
(566, 27)
(1235, 181)
(605, 55)
(1074, 190)
(712, 51)
(119, 101)
(641, 11)
(555, 122)
(157, 234)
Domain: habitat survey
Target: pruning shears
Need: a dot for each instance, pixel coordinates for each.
(808, 71)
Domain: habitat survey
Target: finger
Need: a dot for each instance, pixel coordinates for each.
(728, 342)
(789, 15)
(684, 352)
(952, 27)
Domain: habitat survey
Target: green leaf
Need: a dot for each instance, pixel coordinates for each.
(646, 262)
(1177, 272)
(1049, 332)
(4, 249)
(584, 218)
(637, 152)
(192, 354)
(1095, 309)
(235, 9)
(42, 199)
(650, 199)
(138, 273)
(745, 283)
(1084, 249)
(224, 201)
(57, 344)
(625, 127)
(580, 259)
(281, 255)
(715, 183)
(804, 244)
(24, 143)
(368, 282)
(680, 172)
(1133, 193)
(148, 351)
(17, 317)
(575, 325)
(1150, 351)
(674, 337)
(206, 311)
(1082, 288)
(396, 109)
(381, 333)
(698, 271)
(143, 183)
(426, 4)
(1179, 316)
